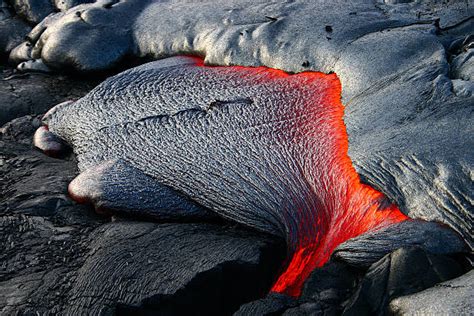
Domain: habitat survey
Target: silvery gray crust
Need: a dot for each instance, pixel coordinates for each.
(17, 18)
(363, 41)
(405, 69)
(115, 185)
(137, 115)
(452, 297)
(214, 136)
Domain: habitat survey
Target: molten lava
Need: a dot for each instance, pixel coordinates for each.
(296, 125)
(345, 207)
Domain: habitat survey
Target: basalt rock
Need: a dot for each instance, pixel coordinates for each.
(364, 250)
(34, 11)
(253, 145)
(173, 269)
(405, 69)
(33, 94)
(405, 271)
(324, 292)
(451, 297)
(17, 18)
(12, 30)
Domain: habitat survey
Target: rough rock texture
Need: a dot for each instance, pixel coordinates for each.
(408, 122)
(324, 293)
(173, 269)
(342, 289)
(272, 304)
(327, 289)
(59, 257)
(29, 94)
(34, 11)
(18, 16)
(254, 145)
(407, 86)
(402, 272)
(310, 34)
(12, 29)
(366, 249)
(452, 297)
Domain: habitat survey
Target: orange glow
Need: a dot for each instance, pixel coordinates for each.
(346, 208)
(340, 207)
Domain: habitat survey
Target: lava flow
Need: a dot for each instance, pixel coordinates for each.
(345, 207)
(290, 141)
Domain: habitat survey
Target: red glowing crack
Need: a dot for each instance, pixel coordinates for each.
(348, 208)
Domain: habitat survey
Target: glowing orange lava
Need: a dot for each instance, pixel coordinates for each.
(340, 207)
(345, 207)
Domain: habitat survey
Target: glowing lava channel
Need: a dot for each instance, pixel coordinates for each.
(346, 207)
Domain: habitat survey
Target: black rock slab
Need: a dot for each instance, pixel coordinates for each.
(324, 293)
(326, 290)
(24, 94)
(452, 297)
(331, 284)
(173, 269)
(403, 272)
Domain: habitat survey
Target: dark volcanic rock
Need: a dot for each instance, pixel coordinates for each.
(12, 30)
(173, 269)
(33, 11)
(408, 116)
(59, 257)
(324, 293)
(44, 235)
(272, 304)
(331, 284)
(406, 70)
(326, 290)
(453, 297)
(405, 271)
(23, 94)
(366, 249)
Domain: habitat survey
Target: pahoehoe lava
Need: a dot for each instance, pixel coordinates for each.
(255, 145)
